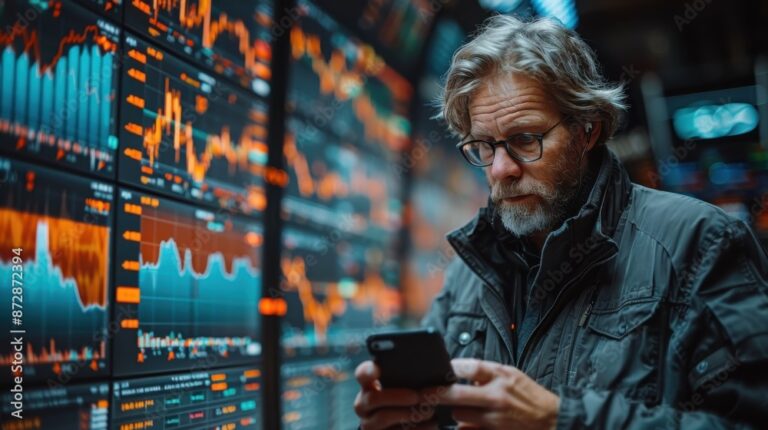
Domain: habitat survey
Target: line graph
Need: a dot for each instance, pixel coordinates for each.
(335, 293)
(57, 92)
(346, 84)
(187, 134)
(191, 281)
(231, 38)
(62, 224)
(340, 185)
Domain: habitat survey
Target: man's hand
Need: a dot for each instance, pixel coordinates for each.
(392, 408)
(502, 397)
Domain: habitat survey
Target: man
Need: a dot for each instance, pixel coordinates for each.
(578, 299)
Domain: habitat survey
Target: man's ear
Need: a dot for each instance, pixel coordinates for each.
(592, 132)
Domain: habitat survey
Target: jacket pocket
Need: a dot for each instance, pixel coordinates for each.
(465, 335)
(617, 322)
(622, 349)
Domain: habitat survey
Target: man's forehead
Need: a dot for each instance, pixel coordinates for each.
(509, 98)
(509, 83)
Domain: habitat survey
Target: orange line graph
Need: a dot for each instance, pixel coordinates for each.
(80, 250)
(158, 226)
(192, 16)
(371, 292)
(169, 122)
(328, 184)
(31, 42)
(343, 82)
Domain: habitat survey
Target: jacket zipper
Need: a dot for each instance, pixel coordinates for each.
(582, 321)
(558, 301)
(588, 310)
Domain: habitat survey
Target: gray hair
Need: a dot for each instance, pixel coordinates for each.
(543, 50)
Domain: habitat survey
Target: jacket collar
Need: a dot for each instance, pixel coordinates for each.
(587, 234)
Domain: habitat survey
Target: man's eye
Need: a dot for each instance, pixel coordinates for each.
(522, 139)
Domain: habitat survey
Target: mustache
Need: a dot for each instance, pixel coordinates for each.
(506, 190)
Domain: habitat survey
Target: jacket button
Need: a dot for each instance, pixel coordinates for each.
(702, 367)
(464, 338)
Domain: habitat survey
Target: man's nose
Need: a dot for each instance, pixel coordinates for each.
(504, 166)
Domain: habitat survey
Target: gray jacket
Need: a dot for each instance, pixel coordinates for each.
(651, 310)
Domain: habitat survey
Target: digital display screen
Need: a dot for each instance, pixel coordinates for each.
(58, 85)
(318, 393)
(347, 129)
(397, 29)
(339, 185)
(200, 399)
(188, 286)
(338, 289)
(185, 133)
(55, 233)
(229, 37)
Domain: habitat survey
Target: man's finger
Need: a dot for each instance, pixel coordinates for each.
(467, 395)
(369, 400)
(367, 373)
(475, 370)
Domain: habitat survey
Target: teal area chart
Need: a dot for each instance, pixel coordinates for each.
(189, 286)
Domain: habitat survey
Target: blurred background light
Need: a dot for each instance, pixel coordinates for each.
(715, 121)
(562, 10)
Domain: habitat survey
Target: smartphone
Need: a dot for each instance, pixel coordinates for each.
(411, 359)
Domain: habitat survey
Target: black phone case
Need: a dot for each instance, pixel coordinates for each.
(418, 359)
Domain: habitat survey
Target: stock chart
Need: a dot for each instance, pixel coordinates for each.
(62, 225)
(185, 133)
(346, 131)
(61, 407)
(188, 285)
(133, 156)
(339, 185)
(337, 289)
(203, 398)
(342, 85)
(58, 80)
(231, 38)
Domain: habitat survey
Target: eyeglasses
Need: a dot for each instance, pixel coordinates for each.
(523, 147)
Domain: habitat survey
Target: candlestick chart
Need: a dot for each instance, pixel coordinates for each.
(58, 80)
(231, 38)
(188, 134)
(60, 225)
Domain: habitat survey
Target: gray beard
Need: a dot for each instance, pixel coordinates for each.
(557, 199)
